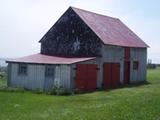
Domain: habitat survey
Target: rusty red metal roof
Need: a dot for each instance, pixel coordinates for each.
(45, 59)
(110, 30)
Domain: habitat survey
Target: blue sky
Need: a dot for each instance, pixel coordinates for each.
(24, 22)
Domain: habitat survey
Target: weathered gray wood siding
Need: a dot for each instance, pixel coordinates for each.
(71, 37)
(114, 54)
(9, 74)
(140, 55)
(33, 80)
(35, 77)
(63, 76)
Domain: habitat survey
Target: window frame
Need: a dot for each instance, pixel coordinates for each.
(135, 65)
(49, 71)
(22, 69)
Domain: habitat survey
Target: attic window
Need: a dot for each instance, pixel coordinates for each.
(135, 65)
(49, 72)
(22, 69)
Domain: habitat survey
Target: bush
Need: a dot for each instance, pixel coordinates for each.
(3, 75)
(37, 91)
(59, 91)
(151, 66)
(11, 89)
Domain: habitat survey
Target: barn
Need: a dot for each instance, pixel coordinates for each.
(82, 50)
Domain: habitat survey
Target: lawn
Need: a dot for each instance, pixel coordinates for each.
(130, 103)
(3, 80)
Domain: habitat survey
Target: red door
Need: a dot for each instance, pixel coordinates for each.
(126, 72)
(107, 75)
(115, 74)
(91, 77)
(111, 74)
(86, 77)
(81, 73)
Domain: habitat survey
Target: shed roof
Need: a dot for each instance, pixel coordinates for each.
(110, 30)
(45, 59)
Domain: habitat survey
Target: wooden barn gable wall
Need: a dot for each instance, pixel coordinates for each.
(70, 36)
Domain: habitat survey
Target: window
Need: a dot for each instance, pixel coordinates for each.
(135, 65)
(49, 71)
(22, 69)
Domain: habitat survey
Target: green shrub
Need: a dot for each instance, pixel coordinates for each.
(11, 89)
(151, 66)
(37, 91)
(59, 91)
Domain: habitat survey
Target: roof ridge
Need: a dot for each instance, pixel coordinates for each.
(94, 13)
(109, 29)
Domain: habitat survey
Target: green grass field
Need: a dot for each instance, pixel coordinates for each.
(130, 103)
(3, 80)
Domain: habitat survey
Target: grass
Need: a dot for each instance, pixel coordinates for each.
(3, 82)
(131, 103)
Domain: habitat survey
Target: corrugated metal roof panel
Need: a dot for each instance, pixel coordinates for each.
(110, 30)
(45, 59)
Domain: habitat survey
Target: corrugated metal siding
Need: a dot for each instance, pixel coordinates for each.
(140, 55)
(33, 80)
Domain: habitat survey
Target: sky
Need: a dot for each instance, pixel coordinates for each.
(24, 22)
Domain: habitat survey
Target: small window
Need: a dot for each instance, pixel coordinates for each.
(135, 65)
(22, 70)
(49, 71)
